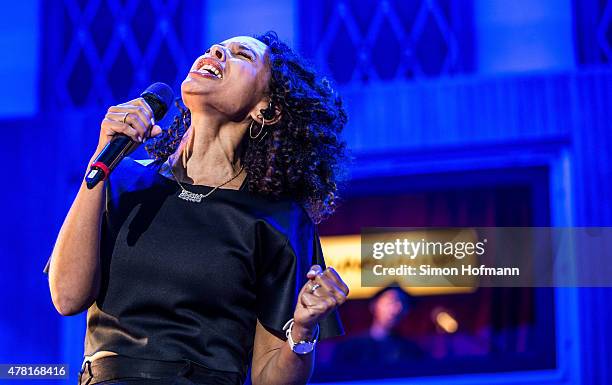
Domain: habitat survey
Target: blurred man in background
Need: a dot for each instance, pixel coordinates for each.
(381, 347)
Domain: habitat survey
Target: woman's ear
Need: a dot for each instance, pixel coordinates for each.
(271, 113)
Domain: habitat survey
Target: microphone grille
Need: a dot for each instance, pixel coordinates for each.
(159, 96)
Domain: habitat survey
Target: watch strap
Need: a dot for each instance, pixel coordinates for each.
(300, 347)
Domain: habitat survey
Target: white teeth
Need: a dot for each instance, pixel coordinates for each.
(207, 68)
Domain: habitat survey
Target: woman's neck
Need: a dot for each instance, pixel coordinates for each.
(210, 152)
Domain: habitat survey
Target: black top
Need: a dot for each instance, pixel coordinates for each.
(184, 280)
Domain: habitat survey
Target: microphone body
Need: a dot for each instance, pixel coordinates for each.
(159, 97)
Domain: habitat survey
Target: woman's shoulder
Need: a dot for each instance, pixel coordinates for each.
(289, 227)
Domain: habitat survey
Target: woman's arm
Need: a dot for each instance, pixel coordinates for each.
(275, 363)
(273, 360)
(74, 270)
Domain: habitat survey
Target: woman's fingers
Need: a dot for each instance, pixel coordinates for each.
(329, 293)
(141, 102)
(111, 127)
(140, 107)
(331, 290)
(149, 112)
(333, 274)
(328, 287)
(134, 119)
(318, 306)
(156, 130)
(329, 273)
(314, 270)
(132, 109)
(140, 115)
(132, 115)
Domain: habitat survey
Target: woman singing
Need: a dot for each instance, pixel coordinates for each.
(207, 259)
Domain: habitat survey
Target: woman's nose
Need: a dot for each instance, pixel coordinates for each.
(217, 51)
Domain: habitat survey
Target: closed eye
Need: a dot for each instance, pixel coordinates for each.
(244, 54)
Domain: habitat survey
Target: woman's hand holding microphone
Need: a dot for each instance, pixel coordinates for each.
(133, 119)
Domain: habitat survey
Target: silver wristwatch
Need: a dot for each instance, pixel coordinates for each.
(300, 347)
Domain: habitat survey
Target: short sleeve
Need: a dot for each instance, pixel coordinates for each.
(283, 276)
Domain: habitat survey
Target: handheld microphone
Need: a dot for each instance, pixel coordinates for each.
(159, 97)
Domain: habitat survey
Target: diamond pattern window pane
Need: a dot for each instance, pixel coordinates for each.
(79, 82)
(141, 25)
(103, 25)
(348, 53)
(360, 41)
(432, 48)
(108, 51)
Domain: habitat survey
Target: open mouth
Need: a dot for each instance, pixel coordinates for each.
(209, 67)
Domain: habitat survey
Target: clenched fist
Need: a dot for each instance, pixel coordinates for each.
(323, 292)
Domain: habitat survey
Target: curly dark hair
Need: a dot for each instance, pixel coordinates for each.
(303, 155)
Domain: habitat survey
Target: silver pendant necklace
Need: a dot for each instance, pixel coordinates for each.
(189, 196)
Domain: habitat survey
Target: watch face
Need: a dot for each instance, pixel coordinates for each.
(303, 347)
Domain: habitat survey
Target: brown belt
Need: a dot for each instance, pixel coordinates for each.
(122, 367)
